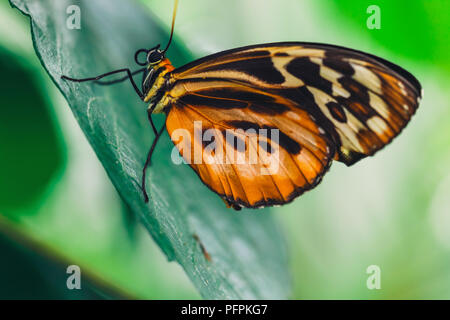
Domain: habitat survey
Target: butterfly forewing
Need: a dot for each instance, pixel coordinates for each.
(326, 101)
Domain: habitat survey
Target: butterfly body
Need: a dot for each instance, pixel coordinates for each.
(155, 85)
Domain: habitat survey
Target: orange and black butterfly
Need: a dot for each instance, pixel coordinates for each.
(327, 103)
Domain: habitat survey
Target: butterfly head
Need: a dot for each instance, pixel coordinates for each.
(155, 55)
(152, 58)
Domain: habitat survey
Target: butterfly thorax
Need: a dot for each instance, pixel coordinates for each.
(155, 84)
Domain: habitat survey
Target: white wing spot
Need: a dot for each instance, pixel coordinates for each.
(280, 64)
(379, 105)
(306, 52)
(333, 76)
(402, 88)
(338, 90)
(377, 125)
(367, 78)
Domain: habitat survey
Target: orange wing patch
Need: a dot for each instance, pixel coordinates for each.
(249, 166)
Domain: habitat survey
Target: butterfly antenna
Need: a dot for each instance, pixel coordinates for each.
(173, 25)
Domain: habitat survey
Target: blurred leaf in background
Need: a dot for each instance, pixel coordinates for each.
(29, 275)
(33, 153)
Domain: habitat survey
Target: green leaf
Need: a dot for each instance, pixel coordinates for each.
(248, 255)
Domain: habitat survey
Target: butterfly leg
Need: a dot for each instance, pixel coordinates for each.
(107, 83)
(129, 76)
(149, 155)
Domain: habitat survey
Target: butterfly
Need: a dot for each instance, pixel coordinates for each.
(325, 102)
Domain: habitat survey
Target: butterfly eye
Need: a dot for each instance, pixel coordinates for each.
(154, 56)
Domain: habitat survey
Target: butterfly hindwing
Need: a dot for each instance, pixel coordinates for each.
(286, 165)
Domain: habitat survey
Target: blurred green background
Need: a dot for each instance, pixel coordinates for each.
(392, 210)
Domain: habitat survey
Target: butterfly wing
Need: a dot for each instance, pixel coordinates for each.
(248, 154)
(361, 100)
(326, 101)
